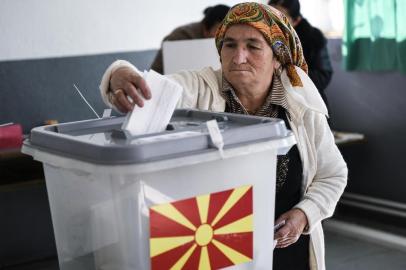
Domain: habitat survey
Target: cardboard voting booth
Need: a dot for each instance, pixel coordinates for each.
(193, 54)
(162, 201)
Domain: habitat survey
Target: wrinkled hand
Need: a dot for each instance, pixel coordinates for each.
(295, 222)
(127, 89)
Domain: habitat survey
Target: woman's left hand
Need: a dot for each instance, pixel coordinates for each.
(288, 234)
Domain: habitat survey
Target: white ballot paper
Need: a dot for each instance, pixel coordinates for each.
(157, 111)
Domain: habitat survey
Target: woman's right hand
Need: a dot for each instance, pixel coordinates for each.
(127, 89)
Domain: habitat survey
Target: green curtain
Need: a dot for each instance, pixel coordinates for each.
(375, 35)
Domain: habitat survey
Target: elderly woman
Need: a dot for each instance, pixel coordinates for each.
(263, 73)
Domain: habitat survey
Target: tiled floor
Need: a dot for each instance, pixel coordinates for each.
(342, 253)
(347, 253)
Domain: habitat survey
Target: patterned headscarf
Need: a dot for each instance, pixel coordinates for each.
(276, 29)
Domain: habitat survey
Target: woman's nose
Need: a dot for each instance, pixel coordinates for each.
(240, 56)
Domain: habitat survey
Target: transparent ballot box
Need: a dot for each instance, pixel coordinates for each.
(168, 200)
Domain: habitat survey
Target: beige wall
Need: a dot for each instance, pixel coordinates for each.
(55, 28)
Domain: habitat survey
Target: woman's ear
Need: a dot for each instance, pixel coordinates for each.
(276, 64)
(277, 67)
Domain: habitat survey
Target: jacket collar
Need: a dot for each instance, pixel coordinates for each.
(299, 99)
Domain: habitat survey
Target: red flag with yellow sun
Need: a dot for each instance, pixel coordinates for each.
(206, 232)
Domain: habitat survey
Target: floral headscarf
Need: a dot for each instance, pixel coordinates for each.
(276, 29)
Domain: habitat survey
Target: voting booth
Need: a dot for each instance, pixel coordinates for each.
(169, 200)
(191, 54)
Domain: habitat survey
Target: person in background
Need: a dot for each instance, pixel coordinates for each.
(263, 73)
(313, 42)
(204, 29)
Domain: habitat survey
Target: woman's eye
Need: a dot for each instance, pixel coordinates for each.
(229, 45)
(253, 47)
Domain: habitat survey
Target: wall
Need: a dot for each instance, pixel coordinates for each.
(373, 104)
(55, 28)
(33, 91)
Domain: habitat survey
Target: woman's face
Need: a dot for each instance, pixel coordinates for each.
(246, 58)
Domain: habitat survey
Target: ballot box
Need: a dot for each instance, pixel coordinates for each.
(169, 200)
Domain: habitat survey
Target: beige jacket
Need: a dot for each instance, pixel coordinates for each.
(324, 169)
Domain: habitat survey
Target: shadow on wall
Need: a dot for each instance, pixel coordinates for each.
(372, 103)
(33, 91)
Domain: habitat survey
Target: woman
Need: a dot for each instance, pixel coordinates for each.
(264, 73)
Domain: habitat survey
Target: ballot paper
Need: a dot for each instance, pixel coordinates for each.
(157, 111)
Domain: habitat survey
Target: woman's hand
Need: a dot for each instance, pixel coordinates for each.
(288, 234)
(127, 89)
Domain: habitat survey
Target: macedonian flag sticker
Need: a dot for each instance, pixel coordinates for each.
(210, 231)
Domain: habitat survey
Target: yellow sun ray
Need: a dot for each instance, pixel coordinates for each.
(231, 201)
(203, 205)
(169, 211)
(162, 244)
(238, 226)
(181, 262)
(204, 263)
(234, 256)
